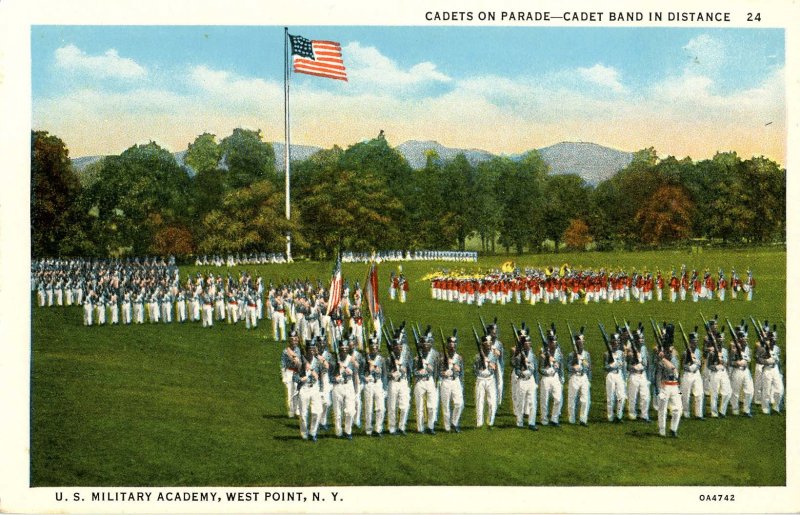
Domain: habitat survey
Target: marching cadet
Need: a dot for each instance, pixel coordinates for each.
(360, 363)
(345, 383)
(499, 350)
(181, 306)
(326, 395)
(399, 392)
(100, 306)
(524, 392)
(551, 382)
(669, 395)
(403, 285)
(580, 381)
(692, 382)
(114, 308)
(208, 309)
(615, 380)
(138, 308)
(374, 392)
(290, 364)
(637, 363)
(424, 386)
(741, 380)
(126, 308)
(308, 390)
(485, 367)
(251, 315)
(278, 318)
(719, 382)
(451, 388)
(88, 309)
(768, 356)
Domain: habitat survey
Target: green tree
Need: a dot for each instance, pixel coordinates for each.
(249, 220)
(204, 153)
(519, 193)
(136, 193)
(247, 158)
(54, 192)
(565, 198)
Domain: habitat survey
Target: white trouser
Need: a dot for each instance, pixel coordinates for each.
(374, 405)
(741, 383)
(499, 383)
(514, 392)
(720, 386)
(425, 397)
(114, 314)
(615, 395)
(359, 404)
(638, 389)
(399, 399)
(251, 318)
(292, 404)
(101, 314)
(692, 384)
(344, 407)
(578, 397)
(450, 390)
(771, 389)
(327, 399)
(232, 312)
(669, 398)
(87, 314)
(758, 383)
(208, 315)
(278, 326)
(525, 400)
(310, 400)
(550, 387)
(126, 313)
(485, 396)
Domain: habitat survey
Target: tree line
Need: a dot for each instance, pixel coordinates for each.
(368, 197)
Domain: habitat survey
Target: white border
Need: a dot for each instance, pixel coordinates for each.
(16, 18)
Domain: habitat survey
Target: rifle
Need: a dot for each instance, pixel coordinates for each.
(445, 357)
(634, 346)
(689, 353)
(480, 348)
(391, 350)
(735, 340)
(572, 339)
(762, 336)
(657, 334)
(483, 324)
(545, 346)
(605, 340)
(519, 347)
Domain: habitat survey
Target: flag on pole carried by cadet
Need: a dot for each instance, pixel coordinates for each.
(335, 294)
(371, 295)
(316, 57)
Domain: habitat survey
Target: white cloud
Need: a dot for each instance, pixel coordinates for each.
(107, 65)
(705, 54)
(366, 66)
(602, 75)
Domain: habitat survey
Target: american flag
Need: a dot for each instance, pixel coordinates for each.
(335, 295)
(371, 294)
(320, 58)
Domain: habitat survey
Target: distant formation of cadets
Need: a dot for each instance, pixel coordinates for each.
(243, 259)
(533, 285)
(136, 291)
(410, 255)
(327, 371)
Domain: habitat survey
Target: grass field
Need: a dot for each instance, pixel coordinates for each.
(164, 405)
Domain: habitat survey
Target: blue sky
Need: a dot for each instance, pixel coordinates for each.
(683, 91)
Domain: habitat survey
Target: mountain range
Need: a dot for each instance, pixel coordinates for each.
(592, 162)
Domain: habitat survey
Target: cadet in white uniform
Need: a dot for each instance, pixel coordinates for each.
(580, 381)
(451, 387)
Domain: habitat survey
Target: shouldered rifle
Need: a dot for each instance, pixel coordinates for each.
(689, 353)
(545, 346)
(483, 324)
(520, 348)
(572, 339)
(656, 334)
(762, 336)
(735, 340)
(480, 348)
(606, 341)
(445, 357)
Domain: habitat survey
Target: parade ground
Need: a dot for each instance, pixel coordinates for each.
(182, 405)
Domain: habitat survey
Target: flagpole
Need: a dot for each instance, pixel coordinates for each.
(287, 139)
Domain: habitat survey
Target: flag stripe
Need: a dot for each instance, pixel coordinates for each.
(323, 59)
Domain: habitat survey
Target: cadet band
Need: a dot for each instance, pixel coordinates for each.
(678, 373)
